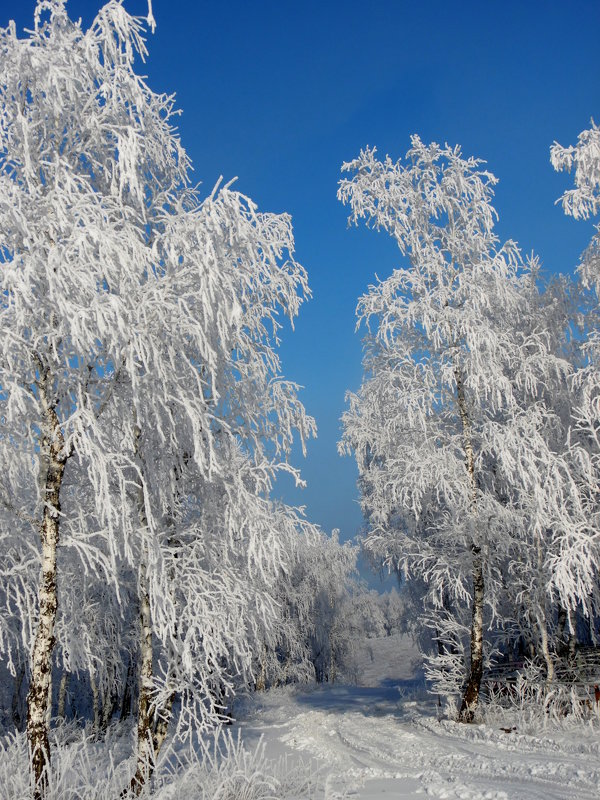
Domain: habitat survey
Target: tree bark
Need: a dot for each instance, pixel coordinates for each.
(95, 702)
(561, 644)
(161, 725)
(545, 645)
(153, 721)
(110, 700)
(162, 716)
(572, 643)
(541, 616)
(261, 681)
(332, 668)
(126, 701)
(471, 694)
(145, 715)
(54, 460)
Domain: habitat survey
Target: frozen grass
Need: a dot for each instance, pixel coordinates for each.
(231, 772)
(530, 705)
(558, 709)
(83, 767)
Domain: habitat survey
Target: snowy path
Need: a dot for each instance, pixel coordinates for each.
(375, 744)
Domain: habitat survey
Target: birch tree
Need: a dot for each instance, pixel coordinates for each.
(73, 215)
(214, 420)
(139, 325)
(534, 471)
(438, 375)
(578, 561)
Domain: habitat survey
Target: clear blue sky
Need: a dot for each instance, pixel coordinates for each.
(280, 93)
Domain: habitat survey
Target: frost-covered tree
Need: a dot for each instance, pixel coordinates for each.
(139, 331)
(534, 471)
(583, 201)
(218, 389)
(73, 252)
(312, 635)
(322, 582)
(439, 371)
(579, 554)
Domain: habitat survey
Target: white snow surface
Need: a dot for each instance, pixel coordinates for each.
(387, 738)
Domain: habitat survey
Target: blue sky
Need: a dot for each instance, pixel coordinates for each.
(280, 93)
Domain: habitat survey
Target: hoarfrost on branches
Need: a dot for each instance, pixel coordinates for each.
(138, 361)
(583, 201)
(452, 427)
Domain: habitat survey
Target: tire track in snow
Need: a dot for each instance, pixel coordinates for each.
(360, 747)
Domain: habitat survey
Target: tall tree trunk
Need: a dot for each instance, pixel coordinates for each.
(110, 699)
(161, 725)
(54, 459)
(127, 691)
(332, 669)
(163, 714)
(541, 615)
(471, 694)
(261, 681)
(145, 716)
(545, 645)
(561, 644)
(49, 706)
(572, 644)
(566, 647)
(145, 712)
(153, 722)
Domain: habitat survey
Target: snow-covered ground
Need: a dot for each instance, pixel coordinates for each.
(386, 738)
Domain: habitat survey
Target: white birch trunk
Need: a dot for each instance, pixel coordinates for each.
(541, 620)
(54, 460)
(572, 645)
(145, 715)
(162, 724)
(49, 706)
(145, 748)
(541, 617)
(471, 694)
(163, 714)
